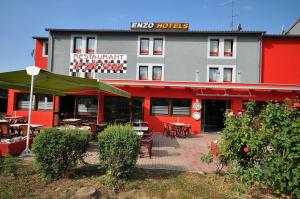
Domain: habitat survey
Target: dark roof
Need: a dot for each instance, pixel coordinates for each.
(39, 37)
(282, 36)
(295, 23)
(157, 31)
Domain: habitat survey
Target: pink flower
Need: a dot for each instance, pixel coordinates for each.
(297, 104)
(246, 149)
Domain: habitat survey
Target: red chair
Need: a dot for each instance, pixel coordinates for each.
(5, 130)
(147, 143)
(186, 130)
(166, 129)
(173, 130)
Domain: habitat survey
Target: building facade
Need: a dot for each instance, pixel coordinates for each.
(173, 76)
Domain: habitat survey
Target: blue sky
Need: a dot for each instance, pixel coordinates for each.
(21, 19)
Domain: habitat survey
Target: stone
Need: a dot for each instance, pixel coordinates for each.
(201, 172)
(87, 193)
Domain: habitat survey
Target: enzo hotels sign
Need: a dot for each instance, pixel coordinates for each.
(159, 26)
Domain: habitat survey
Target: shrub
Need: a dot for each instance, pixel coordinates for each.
(118, 150)
(58, 150)
(265, 148)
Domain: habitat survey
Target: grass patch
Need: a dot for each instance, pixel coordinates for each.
(28, 183)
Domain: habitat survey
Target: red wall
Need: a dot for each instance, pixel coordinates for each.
(156, 122)
(281, 60)
(38, 116)
(40, 60)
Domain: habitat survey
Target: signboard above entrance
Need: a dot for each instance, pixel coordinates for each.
(100, 63)
(159, 26)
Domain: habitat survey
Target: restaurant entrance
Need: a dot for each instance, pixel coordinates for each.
(67, 107)
(213, 114)
(122, 110)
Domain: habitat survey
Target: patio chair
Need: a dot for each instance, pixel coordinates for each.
(23, 120)
(147, 143)
(148, 134)
(94, 130)
(166, 131)
(5, 131)
(187, 130)
(172, 130)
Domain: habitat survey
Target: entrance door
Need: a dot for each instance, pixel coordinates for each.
(213, 114)
(67, 107)
(121, 110)
(137, 108)
(116, 109)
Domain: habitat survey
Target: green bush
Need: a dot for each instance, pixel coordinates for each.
(58, 150)
(118, 150)
(264, 149)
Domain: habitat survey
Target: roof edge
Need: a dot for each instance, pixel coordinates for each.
(156, 31)
(39, 37)
(292, 26)
(281, 36)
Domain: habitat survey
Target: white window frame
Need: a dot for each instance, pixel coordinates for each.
(221, 48)
(151, 45)
(150, 70)
(44, 48)
(221, 72)
(84, 42)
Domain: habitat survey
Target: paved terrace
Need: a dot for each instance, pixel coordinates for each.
(182, 154)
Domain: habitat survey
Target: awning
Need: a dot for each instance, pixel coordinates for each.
(205, 85)
(54, 84)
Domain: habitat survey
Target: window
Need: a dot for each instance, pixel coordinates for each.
(87, 104)
(45, 48)
(144, 46)
(227, 76)
(213, 74)
(150, 71)
(83, 43)
(77, 45)
(116, 109)
(228, 47)
(143, 73)
(157, 47)
(151, 46)
(40, 102)
(214, 47)
(221, 73)
(177, 107)
(23, 100)
(159, 106)
(181, 107)
(221, 47)
(45, 102)
(90, 43)
(157, 73)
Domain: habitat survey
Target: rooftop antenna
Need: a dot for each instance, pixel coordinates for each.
(232, 11)
(282, 29)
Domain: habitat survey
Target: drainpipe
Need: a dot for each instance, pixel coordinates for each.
(260, 59)
(52, 51)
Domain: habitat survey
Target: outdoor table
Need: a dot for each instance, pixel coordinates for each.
(72, 121)
(140, 133)
(140, 123)
(3, 121)
(179, 127)
(13, 119)
(13, 148)
(141, 128)
(33, 127)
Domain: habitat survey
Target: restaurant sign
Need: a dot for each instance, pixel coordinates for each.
(159, 26)
(100, 63)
